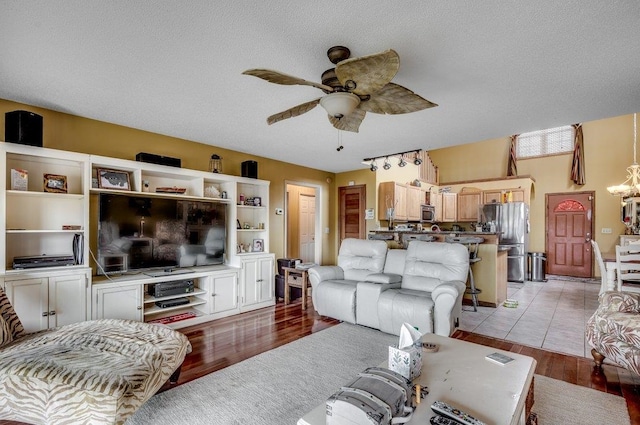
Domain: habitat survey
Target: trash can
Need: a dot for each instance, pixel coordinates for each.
(537, 266)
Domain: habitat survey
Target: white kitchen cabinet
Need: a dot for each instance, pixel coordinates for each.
(47, 302)
(258, 281)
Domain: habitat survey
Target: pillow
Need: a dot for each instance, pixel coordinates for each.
(5, 332)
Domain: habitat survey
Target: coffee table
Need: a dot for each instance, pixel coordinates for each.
(459, 374)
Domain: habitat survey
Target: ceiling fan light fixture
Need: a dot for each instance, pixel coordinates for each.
(340, 104)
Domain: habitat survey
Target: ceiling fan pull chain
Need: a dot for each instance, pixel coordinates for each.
(340, 147)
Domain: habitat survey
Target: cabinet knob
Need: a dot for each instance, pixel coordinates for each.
(45, 313)
(139, 307)
(213, 295)
(52, 313)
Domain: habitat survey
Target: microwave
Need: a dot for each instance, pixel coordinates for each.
(427, 213)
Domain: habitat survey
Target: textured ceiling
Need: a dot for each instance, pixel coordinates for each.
(174, 67)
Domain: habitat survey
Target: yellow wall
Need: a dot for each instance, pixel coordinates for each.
(73, 133)
(608, 148)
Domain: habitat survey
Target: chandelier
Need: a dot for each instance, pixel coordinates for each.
(631, 186)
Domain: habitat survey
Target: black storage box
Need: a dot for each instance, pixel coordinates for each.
(294, 293)
(286, 262)
(23, 127)
(158, 159)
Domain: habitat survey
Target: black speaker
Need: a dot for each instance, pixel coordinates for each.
(23, 127)
(250, 169)
(158, 159)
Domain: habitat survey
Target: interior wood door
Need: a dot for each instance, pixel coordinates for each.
(307, 227)
(352, 201)
(569, 231)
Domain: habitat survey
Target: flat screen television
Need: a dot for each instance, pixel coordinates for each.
(160, 233)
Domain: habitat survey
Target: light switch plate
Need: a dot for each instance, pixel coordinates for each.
(606, 230)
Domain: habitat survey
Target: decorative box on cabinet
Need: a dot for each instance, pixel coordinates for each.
(258, 281)
(48, 300)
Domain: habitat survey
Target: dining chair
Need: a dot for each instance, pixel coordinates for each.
(628, 267)
(603, 268)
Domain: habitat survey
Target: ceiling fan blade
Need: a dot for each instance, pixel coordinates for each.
(293, 112)
(350, 122)
(369, 73)
(284, 79)
(395, 99)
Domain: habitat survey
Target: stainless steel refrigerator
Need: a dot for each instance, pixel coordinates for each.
(511, 223)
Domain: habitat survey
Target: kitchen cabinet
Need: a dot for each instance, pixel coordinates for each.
(47, 302)
(499, 195)
(445, 207)
(415, 198)
(467, 206)
(392, 195)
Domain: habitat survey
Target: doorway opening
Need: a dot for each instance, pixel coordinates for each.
(302, 222)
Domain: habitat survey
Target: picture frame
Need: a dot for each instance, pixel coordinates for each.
(55, 183)
(258, 245)
(113, 179)
(257, 201)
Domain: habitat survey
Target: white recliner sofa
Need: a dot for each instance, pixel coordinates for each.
(422, 285)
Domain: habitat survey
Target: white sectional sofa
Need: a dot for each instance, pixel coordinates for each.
(381, 288)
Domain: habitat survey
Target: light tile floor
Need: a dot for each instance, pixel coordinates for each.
(551, 315)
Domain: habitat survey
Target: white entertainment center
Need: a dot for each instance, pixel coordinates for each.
(41, 216)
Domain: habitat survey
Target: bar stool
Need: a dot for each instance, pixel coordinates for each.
(472, 243)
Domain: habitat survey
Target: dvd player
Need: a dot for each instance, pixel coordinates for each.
(172, 303)
(164, 289)
(43, 261)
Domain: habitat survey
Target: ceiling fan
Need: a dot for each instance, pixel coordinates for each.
(354, 87)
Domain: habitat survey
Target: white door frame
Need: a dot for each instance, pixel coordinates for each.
(319, 217)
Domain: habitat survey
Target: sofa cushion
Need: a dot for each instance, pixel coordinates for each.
(384, 278)
(398, 306)
(428, 264)
(337, 299)
(360, 258)
(394, 263)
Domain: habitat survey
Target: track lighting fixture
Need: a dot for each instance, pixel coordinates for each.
(417, 159)
(401, 161)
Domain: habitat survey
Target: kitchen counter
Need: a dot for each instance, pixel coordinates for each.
(490, 273)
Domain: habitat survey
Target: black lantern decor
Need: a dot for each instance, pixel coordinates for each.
(215, 164)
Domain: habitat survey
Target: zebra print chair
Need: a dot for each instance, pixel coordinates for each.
(93, 372)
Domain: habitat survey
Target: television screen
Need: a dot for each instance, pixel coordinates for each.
(159, 232)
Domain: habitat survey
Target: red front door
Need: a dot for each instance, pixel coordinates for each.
(569, 231)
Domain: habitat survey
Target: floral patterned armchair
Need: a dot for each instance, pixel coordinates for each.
(614, 330)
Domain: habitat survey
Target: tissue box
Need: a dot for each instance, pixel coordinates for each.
(406, 361)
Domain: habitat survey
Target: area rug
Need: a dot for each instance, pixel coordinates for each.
(280, 386)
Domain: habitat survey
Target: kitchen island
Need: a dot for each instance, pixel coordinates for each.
(490, 274)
